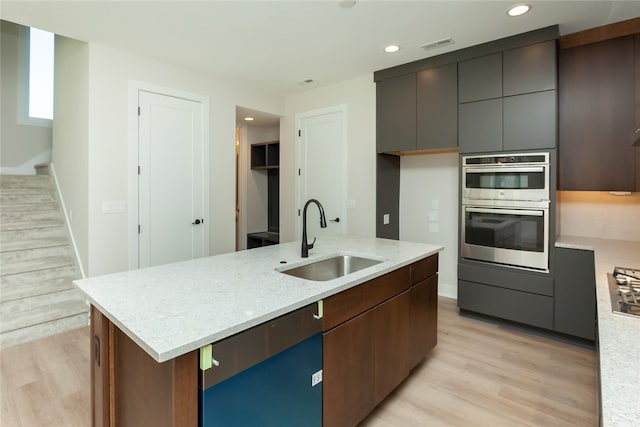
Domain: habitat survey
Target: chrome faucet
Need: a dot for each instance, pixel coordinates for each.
(323, 224)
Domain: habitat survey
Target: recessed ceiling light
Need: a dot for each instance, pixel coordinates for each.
(519, 9)
(347, 3)
(249, 119)
(392, 48)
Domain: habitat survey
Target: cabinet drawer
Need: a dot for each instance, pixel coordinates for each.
(523, 307)
(350, 303)
(424, 269)
(515, 280)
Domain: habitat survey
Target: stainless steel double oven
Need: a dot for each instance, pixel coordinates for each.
(505, 209)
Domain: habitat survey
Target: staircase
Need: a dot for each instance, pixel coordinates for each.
(37, 263)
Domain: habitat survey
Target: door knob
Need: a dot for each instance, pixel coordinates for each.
(335, 220)
(198, 221)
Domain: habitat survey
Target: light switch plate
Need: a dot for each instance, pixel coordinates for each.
(316, 378)
(385, 219)
(114, 207)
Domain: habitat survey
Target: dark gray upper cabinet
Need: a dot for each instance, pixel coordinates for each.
(480, 126)
(396, 114)
(530, 121)
(437, 108)
(480, 78)
(524, 80)
(529, 69)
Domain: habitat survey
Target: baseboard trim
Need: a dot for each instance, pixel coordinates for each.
(449, 291)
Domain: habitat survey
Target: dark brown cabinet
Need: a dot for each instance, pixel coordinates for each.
(347, 366)
(391, 321)
(597, 112)
(423, 319)
(375, 333)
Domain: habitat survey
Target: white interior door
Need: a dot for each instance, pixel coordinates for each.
(321, 164)
(172, 183)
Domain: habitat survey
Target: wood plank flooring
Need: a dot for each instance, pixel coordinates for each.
(480, 374)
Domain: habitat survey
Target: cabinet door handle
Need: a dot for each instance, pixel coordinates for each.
(335, 220)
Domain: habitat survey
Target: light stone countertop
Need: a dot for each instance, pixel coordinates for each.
(172, 309)
(618, 334)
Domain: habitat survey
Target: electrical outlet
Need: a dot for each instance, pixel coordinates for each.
(316, 378)
(435, 205)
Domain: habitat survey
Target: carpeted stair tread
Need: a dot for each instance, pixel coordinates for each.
(21, 245)
(29, 224)
(29, 207)
(43, 287)
(37, 276)
(36, 264)
(46, 313)
(43, 330)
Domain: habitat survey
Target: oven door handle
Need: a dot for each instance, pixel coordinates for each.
(504, 169)
(505, 211)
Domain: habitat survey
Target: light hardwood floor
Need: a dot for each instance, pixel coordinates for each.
(480, 374)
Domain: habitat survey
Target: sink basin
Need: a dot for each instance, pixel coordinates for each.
(331, 268)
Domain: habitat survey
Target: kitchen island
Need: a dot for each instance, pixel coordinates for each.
(149, 325)
(618, 343)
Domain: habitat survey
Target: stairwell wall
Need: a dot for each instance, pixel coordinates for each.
(22, 144)
(71, 136)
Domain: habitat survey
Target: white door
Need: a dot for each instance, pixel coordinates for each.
(171, 184)
(321, 164)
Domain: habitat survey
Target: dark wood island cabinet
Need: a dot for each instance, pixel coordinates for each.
(374, 334)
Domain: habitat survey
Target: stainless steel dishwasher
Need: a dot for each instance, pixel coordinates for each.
(269, 375)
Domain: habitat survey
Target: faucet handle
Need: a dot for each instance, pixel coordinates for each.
(310, 245)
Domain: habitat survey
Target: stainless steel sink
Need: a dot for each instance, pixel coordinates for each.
(331, 268)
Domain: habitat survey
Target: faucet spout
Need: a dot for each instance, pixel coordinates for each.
(323, 224)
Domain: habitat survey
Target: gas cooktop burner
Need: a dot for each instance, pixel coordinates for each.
(624, 287)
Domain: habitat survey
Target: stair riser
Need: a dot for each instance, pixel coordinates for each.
(7, 258)
(9, 199)
(16, 291)
(10, 309)
(43, 330)
(28, 207)
(38, 276)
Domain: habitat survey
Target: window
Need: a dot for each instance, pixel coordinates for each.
(40, 74)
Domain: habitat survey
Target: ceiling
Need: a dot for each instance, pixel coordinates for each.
(276, 45)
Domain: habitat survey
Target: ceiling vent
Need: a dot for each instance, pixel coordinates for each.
(437, 43)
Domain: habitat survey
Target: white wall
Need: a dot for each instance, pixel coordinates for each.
(599, 214)
(110, 71)
(71, 135)
(426, 179)
(359, 95)
(22, 144)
